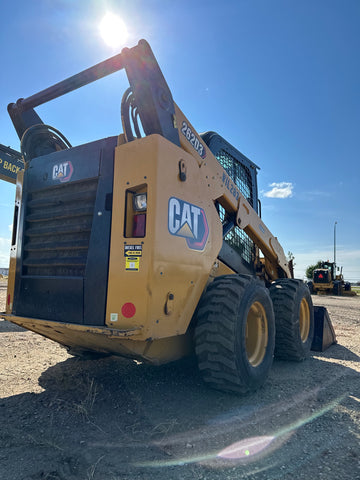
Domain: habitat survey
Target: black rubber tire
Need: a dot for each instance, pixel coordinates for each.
(220, 333)
(337, 288)
(287, 296)
(310, 285)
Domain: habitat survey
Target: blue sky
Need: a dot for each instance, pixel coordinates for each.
(279, 79)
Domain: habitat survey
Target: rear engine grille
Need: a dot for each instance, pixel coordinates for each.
(57, 229)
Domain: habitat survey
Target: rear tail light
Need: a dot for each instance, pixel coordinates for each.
(136, 211)
(139, 225)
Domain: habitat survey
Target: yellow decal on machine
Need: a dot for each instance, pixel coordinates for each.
(132, 253)
(9, 166)
(132, 264)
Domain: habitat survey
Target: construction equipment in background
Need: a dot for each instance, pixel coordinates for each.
(150, 244)
(10, 164)
(326, 281)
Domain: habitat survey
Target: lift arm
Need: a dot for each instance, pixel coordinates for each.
(229, 196)
(154, 101)
(150, 99)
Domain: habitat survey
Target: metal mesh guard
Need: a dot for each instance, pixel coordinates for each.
(241, 176)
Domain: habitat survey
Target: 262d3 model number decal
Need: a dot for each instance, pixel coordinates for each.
(193, 139)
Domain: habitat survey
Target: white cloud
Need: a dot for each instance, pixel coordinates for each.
(280, 190)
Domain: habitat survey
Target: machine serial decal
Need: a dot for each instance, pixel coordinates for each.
(188, 221)
(193, 139)
(62, 171)
(230, 186)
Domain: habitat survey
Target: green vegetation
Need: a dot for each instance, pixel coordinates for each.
(310, 269)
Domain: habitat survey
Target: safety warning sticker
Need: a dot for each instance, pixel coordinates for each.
(132, 250)
(132, 263)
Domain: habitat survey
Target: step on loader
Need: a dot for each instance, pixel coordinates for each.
(150, 244)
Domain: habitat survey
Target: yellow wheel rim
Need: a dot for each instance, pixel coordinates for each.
(304, 320)
(256, 334)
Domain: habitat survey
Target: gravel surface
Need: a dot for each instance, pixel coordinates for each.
(111, 419)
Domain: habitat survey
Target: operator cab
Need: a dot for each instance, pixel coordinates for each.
(238, 251)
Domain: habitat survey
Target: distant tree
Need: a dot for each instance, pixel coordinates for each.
(310, 269)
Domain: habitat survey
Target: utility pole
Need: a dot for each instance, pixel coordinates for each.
(335, 244)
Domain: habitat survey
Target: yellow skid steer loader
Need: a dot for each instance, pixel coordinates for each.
(150, 244)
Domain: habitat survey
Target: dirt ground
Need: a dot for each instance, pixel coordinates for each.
(112, 419)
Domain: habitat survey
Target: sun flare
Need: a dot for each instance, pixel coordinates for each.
(113, 30)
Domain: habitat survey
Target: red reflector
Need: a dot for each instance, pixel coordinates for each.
(139, 225)
(8, 299)
(128, 310)
(321, 275)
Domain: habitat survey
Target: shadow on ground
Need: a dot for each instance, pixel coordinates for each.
(114, 419)
(6, 326)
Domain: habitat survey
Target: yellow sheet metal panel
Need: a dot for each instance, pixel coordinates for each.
(106, 340)
(183, 238)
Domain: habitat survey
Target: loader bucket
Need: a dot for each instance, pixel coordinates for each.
(324, 334)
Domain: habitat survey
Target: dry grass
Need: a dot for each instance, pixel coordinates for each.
(85, 406)
(92, 469)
